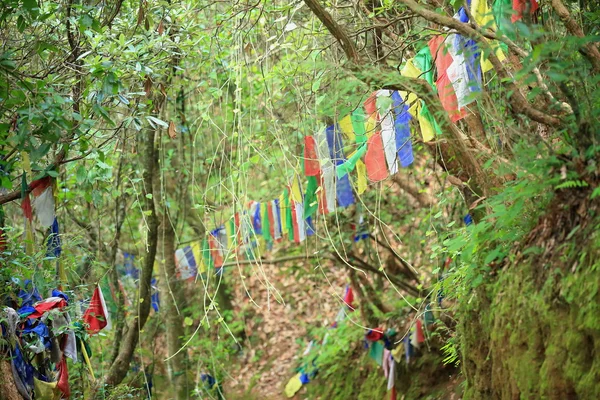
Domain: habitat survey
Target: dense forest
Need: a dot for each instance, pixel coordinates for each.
(310, 199)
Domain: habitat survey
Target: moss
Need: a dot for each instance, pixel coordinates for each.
(523, 337)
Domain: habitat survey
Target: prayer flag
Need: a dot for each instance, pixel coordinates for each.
(197, 253)
(343, 189)
(271, 217)
(358, 125)
(520, 6)
(328, 177)
(388, 135)
(464, 72)
(370, 105)
(427, 123)
(255, 215)
(349, 298)
(54, 245)
(266, 222)
(184, 270)
(310, 199)
(424, 62)
(63, 378)
(277, 228)
(443, 60)
(375, 159)
(347, 166)
(289, 214)
(361, 176)
(296, 189)
(402, 125)
(347, 129)
(283, 213)
(206, 254)
(96, 316)
(311, 157)
(43, 200)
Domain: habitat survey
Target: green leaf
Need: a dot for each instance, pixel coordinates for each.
(188, 321)
(155, 121)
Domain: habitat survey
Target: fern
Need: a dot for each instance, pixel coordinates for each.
(572, 184)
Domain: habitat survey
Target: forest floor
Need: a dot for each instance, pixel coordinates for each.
(277, 320)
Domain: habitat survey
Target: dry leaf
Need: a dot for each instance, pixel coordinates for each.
(161, 27)
(141, 14)
(172, 131)
(162, 90)
(148, 86)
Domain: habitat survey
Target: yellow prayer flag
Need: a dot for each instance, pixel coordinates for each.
(427, 130)
(410, 71)
(296, 190)
(361, 181)
(347, 129)
(26, 164)
(370, 126)
(28, 237)
(482, 14)
(87, 359)
(197, 252)
(282, 216)
(293, 386)
(484, 18)
(45, 390)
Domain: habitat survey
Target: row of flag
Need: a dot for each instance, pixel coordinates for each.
(371, 143)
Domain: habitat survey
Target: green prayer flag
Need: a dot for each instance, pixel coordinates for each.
(424, 62)
(427, 114)
(358, 124)
(310, 199)
(349, 165)
(288, 214)
(266, 226)
(376, 352)
(208, 261)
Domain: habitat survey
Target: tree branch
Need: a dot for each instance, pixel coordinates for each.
(334, 29)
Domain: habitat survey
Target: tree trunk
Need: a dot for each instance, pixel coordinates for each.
(118, 370)
(171, 302)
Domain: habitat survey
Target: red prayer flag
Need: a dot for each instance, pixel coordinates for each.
(371, 105)
(349, 298)
(443, 60)
(271, 219)
(323, 210)
(311, 159)
(295, 221)
(374, 335)
(3, 240)
(238, 232)
(46, 305)
(420, 335)
(520, 6)
(214, 250)
(96, 316)
(38, 186)
(63, 379)
(375, 159)
(26, 207)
